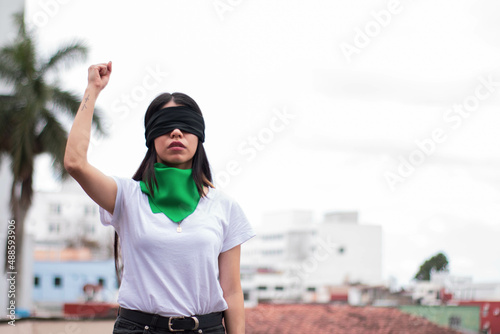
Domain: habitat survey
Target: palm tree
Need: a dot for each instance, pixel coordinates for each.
(30, 119)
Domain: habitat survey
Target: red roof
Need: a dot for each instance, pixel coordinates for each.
(337, 319)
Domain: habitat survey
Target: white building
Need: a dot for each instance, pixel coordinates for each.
(295, 258)
(461, 288)
(358, 256)
(68, 218)
(428, 293)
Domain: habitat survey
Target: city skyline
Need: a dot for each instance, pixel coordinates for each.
(401, 128)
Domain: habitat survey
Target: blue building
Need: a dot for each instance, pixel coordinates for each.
(63, 281)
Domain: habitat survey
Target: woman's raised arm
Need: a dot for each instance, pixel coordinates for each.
(100, 187)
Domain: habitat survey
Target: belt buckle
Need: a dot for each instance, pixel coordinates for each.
(196, 324)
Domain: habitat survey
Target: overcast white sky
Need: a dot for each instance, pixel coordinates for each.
(352, 119)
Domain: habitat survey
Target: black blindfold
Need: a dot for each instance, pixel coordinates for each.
(171, 118)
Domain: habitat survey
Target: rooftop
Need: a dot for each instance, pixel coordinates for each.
(338, 319)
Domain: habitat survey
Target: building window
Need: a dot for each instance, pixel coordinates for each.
(455, 322)
(55, 209)
(101, 281)
(486, 309)
(246, 295)
(272, 236)
(311, 289)
(341, 250)
(272, 252)
(279, 288)
(262, 287)
(90, 210)
(246, 276)
(57, 281)
(36, 281)
(54, 227)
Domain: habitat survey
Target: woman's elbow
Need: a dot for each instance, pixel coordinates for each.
(72, 165)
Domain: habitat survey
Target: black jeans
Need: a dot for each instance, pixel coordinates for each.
(126, 326)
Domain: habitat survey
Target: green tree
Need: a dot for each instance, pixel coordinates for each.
(437, 263)
(30, 120)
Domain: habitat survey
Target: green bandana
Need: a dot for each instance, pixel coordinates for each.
(176, 195)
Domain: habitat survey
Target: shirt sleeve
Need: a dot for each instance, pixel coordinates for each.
(108, 218)
(238, 230)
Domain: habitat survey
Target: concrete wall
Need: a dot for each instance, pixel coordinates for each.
(352, 252)
(73, 276)
(442, 315)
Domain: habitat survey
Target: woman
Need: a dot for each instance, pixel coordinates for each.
(180, 237)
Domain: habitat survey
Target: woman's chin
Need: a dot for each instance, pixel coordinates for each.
(177, 163)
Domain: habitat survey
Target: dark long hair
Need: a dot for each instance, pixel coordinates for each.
(201, 168)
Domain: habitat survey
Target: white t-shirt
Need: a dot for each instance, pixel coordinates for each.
(171, 273)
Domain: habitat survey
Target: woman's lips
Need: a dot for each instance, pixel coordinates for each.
(176, 146)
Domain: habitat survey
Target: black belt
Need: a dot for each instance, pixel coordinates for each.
(173, 324)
